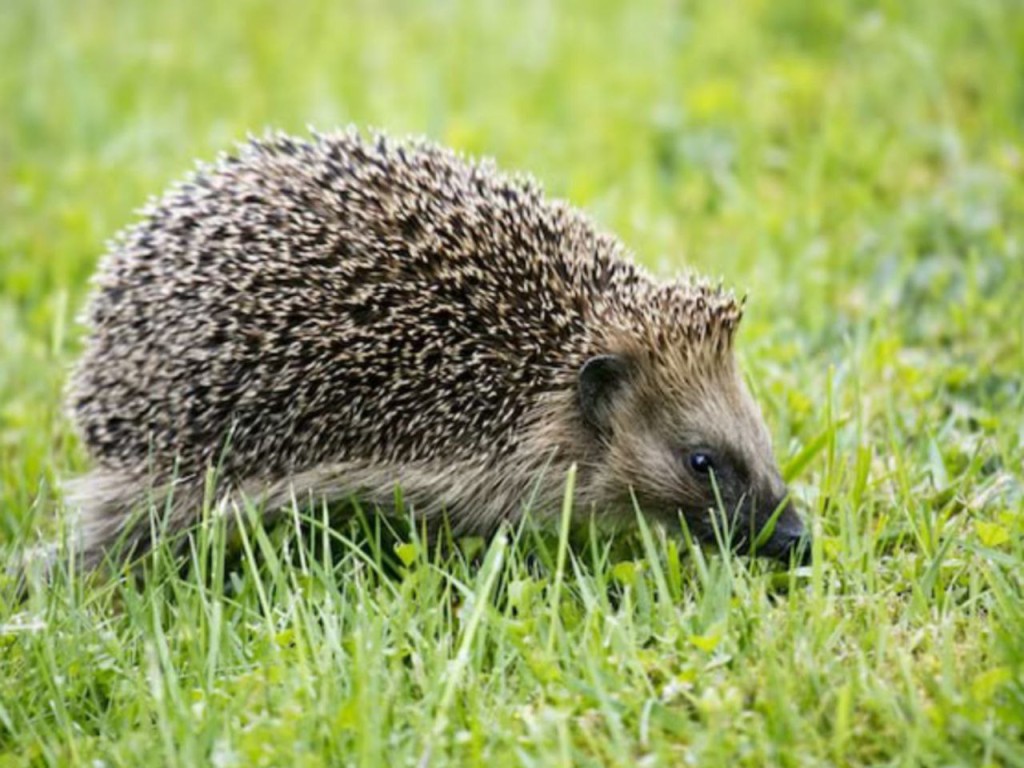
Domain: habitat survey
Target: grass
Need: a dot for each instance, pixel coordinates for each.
(858, 168)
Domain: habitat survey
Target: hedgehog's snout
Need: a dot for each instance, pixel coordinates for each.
(788, 540)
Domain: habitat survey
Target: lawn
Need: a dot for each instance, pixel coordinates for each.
(856, 169)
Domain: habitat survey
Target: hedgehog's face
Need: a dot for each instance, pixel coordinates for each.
(694, 444)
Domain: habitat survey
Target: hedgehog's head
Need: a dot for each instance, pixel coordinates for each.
(677, 426)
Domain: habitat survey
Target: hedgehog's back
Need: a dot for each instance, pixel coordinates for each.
(312, 301)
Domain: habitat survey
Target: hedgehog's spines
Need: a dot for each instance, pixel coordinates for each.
(366, 305)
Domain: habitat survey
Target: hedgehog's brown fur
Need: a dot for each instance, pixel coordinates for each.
(333, 317)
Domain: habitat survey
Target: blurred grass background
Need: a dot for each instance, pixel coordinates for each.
(857, 167)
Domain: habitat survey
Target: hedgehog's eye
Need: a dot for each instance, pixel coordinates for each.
(701, 462)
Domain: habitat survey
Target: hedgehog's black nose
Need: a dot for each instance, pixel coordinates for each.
(790, 542)
(794, 549)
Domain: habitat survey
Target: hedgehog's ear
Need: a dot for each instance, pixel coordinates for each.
(601, 377)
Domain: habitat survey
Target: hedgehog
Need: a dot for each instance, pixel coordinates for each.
(334, 317)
